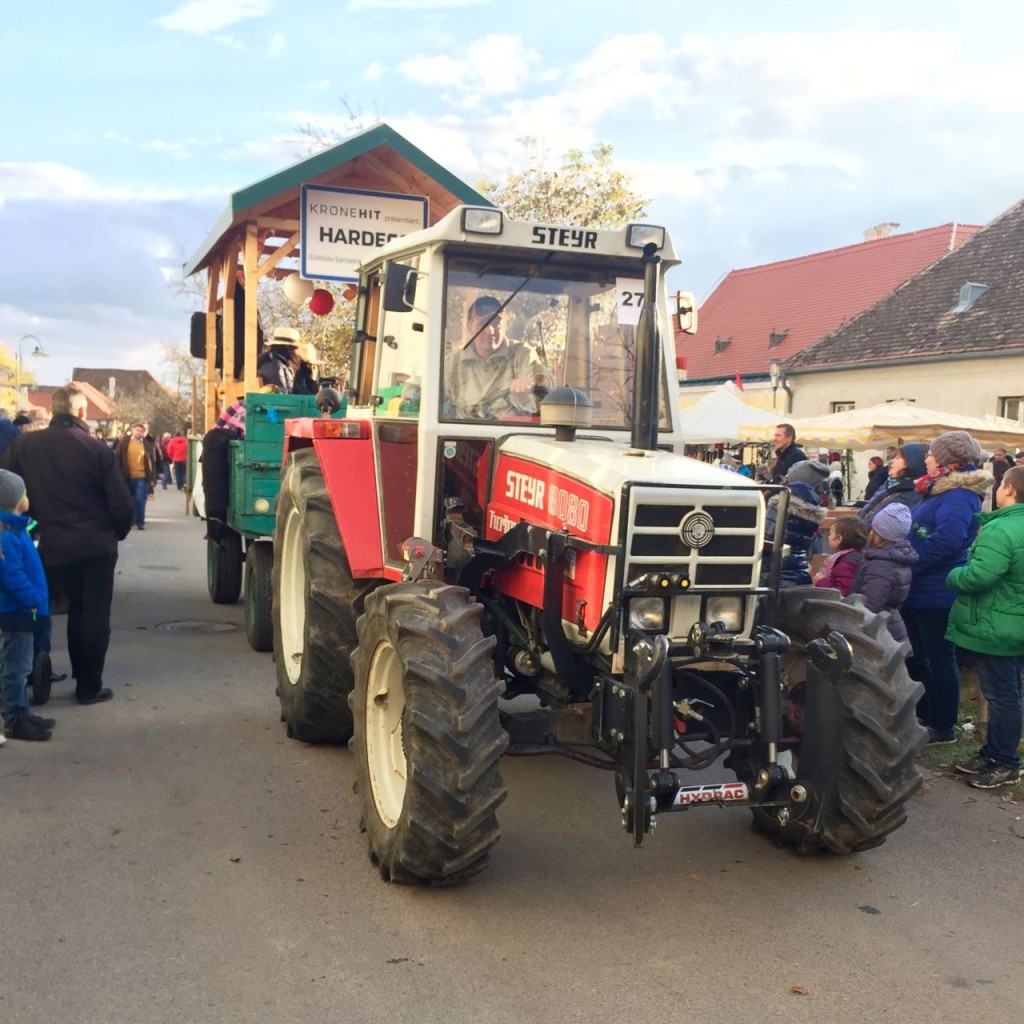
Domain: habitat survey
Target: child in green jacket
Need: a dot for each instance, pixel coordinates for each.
(987, 618)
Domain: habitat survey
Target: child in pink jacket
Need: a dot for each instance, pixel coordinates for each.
(848, 537)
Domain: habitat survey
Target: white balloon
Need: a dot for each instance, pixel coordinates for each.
(297, 290)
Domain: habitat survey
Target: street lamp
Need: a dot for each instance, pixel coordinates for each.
(37, 351)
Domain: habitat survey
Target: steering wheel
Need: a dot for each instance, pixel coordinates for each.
(527, 403)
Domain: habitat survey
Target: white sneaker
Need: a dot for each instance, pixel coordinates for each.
(3, 738)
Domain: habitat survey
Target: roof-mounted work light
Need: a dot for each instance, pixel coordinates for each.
(639, 235)
(481, 221)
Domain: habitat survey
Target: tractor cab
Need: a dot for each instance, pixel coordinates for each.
(465, 329)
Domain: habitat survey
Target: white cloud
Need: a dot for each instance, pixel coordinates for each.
(205, 17)
(53, 181)
(490, 66)
(278, 41)
(374, 71)
(57, 182)
(175, 150)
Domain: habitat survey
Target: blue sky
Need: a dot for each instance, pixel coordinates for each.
(758, 131)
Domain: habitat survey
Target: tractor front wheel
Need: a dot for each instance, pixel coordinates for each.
(859, 737)
(426, 733)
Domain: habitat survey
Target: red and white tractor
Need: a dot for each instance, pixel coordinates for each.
(497, 548)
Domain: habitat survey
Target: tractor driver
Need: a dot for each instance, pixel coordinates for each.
(486, 375)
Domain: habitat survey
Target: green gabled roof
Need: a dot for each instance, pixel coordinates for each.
(291, 178)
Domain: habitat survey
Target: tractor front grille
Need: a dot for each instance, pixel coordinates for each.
(655, 541)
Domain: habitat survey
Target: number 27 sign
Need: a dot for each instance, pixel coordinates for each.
(629, 295)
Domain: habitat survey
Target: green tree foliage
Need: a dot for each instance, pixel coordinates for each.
(587, 190)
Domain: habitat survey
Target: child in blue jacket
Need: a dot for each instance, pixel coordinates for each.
(24, 599)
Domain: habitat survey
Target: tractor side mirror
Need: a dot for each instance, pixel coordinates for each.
(686, 312)
(400, 288)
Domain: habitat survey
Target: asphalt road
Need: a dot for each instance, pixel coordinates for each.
(172, 857)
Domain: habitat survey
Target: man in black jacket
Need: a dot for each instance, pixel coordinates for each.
(82, 503)
(786, 452)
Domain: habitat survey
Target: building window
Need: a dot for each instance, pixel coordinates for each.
(721, 344)
(842, 406)
(777, 338)
(1012, 408)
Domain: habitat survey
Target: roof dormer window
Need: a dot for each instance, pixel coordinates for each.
(969, 295)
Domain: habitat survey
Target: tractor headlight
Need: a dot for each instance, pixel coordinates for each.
(726, 610)
(647, 614)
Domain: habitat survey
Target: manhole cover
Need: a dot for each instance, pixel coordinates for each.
(198, 626)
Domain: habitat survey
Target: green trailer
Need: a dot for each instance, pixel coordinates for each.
(245, 552)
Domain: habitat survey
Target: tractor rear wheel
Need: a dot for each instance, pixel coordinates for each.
(870, 722)
(259, 620)
(315, 605)
(224, 568)
(426, 733)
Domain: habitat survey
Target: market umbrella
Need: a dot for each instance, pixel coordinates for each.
(890, 423)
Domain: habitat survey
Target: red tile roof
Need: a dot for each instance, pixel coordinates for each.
(805, 297)
(922, 319)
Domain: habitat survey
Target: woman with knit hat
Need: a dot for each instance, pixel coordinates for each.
(809, 471)
(943, 526)
(906, 466)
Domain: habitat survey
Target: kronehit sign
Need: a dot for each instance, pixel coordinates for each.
(342, 227)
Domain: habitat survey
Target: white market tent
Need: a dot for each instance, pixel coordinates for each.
(891, 423)
(716, 417)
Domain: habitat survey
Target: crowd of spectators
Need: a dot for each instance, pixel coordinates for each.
(949, 574)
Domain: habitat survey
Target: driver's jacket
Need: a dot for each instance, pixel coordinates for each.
(477, 388)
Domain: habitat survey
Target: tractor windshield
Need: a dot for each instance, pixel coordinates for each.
(515, 329)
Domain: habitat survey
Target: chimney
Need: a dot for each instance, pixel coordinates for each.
(883, 230)
(111, 381)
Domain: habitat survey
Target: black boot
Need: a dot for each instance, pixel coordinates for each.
(22, 728)
(40, 679)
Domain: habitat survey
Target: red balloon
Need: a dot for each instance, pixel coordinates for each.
(321, 302)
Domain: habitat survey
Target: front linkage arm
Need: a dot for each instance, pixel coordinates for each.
(635, 713)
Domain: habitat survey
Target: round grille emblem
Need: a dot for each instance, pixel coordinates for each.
(697, 529)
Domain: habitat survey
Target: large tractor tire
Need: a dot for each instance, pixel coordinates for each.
(427, 737)
(865, 729)
(224, 568)
(315, 606)
(259, 595)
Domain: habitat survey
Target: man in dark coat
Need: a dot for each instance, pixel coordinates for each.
(82, 503)
(786, 451)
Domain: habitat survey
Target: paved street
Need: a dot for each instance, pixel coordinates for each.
(172, 857)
